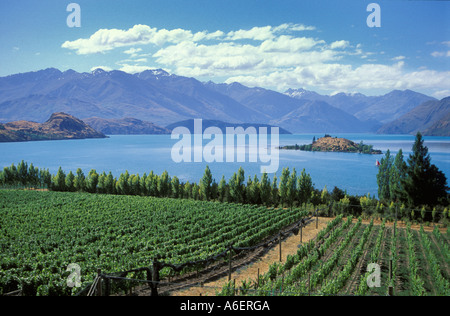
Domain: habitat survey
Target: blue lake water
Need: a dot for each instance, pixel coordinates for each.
(355, 173)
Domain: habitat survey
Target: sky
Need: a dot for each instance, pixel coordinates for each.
(324, 46)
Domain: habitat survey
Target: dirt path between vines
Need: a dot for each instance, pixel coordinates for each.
(250, 271)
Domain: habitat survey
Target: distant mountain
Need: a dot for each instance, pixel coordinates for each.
(319, 116)
(382, 109)
(151, 96)
(393, 105)
(270, 104)
(299, 112)
(189, 124)
(58, 126)
(163, 99)
(430, 117)
(125, 126)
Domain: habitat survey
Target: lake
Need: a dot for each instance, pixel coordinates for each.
(355, 173)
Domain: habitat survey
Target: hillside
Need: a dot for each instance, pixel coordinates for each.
(58, 126)
(439, 128)
(422, 118)
(125, 126)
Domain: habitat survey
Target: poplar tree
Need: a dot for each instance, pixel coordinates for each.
(70, 182)
(59, 181)
(291, 191)
(283, 190)
(175, 184)
(264, 189)
(383, 176)
(236, 186)
(397, 174)
(274, 189)
(305, 187)
(205, 184)
(79, 181)
(222, 189)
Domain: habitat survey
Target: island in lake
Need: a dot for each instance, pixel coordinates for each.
(335, 144)
(58, 126)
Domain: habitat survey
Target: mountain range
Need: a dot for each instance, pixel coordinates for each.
(159, 98)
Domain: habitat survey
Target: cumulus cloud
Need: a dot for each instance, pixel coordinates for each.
(339, 44)
(441, 54)
(105, 68)
(280, 57)
(107, 39)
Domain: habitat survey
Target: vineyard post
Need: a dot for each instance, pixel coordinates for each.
(257, 280)
(317, 218)
(229, 263)
(155, 277)
(107, 286)
(301, 233)
(390, 287)
(309, 284)
(279, 243)
(99, 283)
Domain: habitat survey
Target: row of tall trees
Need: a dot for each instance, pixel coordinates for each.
(291, 190)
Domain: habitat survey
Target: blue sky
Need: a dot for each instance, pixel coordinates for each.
(325, 46)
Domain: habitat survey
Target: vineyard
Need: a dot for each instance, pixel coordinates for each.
(412, 262)
(41, 233)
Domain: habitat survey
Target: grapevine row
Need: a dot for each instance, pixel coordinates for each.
(417, 283)
(441, 284)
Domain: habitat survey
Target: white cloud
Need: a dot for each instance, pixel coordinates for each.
(441, 94)
(133, 52)
(105, 40)
(341, 77)
(441, 54)
(132, 69)
(268, 56)
(105, 68)
(339, 44)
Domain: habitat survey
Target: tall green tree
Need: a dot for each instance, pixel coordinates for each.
(291, 192)
(70, 178)
(164, 184)
(59, 181)
(283, 189)
(175, 184)
(397, 174)
(274, 189)
(22, 172)
(222, 190)
(265, 190)
(236, 186)
(424, 183)
(383, 176)
(305, 187)
(205, 184)
(92, 181)
(80, 181)
(110, 184)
